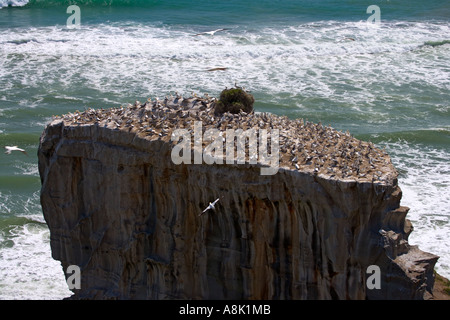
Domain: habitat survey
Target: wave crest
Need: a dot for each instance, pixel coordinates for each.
(54, 3)
(436, 43)
(12, 3)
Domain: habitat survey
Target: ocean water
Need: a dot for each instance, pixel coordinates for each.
(386, 82)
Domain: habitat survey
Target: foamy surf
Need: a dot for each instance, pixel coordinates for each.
(13, 3)
(27, 271)
(425, 180)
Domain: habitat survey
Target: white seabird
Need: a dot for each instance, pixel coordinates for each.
(211, 206)
(14, 148)
(211, 33)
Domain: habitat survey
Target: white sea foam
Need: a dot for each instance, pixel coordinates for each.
(425, 182)
(14, 3)
(148, 58)
(29, 169)
(4, 203)
(27, 270)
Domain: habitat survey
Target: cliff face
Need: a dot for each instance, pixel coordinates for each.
(119, 208)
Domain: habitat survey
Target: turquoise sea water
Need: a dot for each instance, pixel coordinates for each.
(320, 60)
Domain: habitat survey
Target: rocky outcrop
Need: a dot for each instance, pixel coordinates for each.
(119, 208)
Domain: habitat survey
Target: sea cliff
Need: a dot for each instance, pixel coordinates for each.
(120, 208)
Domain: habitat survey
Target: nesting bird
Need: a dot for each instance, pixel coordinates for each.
(304, 146)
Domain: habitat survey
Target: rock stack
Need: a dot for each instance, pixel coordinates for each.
(119, 208)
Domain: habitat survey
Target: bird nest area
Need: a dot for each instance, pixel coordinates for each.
(303, 146)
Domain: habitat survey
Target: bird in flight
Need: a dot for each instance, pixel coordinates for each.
(211, 33)
(15, 148)
(211, 206)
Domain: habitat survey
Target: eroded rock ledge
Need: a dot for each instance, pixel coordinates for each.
(119, 208)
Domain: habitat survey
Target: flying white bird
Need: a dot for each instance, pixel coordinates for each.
(15, 148)
(211, 33)
(211, 206)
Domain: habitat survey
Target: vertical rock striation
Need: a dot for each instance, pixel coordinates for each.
(119, 208)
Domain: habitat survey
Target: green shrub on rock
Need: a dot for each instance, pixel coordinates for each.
(234, 100)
